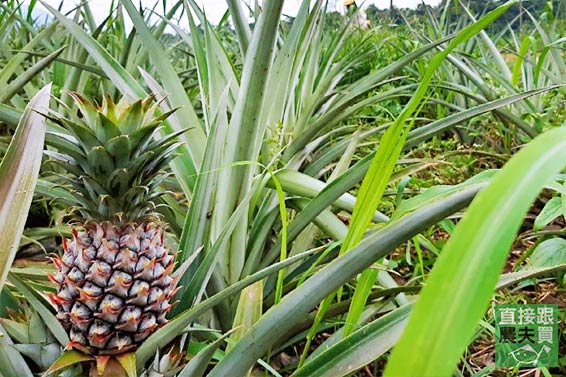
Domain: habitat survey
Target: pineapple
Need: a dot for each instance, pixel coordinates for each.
(114, 279)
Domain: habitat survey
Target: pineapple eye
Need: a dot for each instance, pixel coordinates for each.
(143, 264)
(65, 293)
(80, 311)
(99, 328)
(111, 302)
(92, 289)
(120, 278)
(120, 341)
(155, 294)
(148, 323)
(139, 287)
(131, 313)
(102, 268)
(75, 275)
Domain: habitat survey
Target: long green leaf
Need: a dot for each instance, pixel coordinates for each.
(10, 115)
(171, 330)
(240, 24)
(359, 349)
(12, 363)
(423, 133)
(464, 277)
(274, 325)
(18, 176)
(197, 220)
(40, 306)
(197, 366)
(297, 183)
(118, 75)
(377, 337)
(381, 167)
(511, 278)
(16, 61)
(195, 137)
(245, 134)
(355, 174)
(18, 83)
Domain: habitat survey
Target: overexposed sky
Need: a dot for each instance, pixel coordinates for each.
(216, 8)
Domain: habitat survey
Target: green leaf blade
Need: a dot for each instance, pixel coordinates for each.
(464, 277)
(18, 176)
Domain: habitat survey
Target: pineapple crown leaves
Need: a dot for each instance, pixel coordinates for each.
(112, 161)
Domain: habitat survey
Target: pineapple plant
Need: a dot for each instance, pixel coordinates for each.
(115, 280)
(31, 337)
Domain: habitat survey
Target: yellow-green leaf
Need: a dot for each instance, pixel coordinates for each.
(128, 362)
(67, 359)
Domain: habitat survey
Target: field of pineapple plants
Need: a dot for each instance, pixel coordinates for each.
(278, 196)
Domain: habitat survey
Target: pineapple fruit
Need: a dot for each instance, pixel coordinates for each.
(114, 279)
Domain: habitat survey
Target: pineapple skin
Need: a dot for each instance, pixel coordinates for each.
(114, 286)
